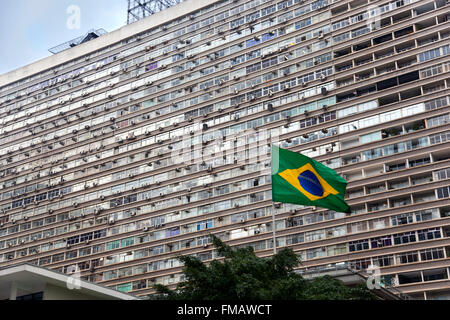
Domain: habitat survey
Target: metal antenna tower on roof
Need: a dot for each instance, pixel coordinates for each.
(139, 9)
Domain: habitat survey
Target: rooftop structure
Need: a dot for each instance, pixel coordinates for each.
(91, 34)
(139, 9)
(28, 282)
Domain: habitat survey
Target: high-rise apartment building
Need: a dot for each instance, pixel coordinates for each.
(121, 153)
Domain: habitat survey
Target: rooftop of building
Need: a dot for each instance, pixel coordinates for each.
(104, 41)
(90, 35)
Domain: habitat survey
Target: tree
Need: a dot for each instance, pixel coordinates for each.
(241, 275)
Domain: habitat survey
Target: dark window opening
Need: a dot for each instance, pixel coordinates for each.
(382, 39)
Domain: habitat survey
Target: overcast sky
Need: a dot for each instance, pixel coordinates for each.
(28, 28)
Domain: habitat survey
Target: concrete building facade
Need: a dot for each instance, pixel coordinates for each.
(29, 282)
(121, 153)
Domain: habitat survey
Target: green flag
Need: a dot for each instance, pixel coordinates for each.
(301, 180)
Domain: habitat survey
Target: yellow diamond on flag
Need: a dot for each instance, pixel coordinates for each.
(306, 180)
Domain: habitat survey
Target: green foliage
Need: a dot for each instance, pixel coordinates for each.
(329, 288)
(241, 275)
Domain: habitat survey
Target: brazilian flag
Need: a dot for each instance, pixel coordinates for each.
(301, 180)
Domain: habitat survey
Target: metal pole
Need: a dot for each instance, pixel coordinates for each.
(273, 232)
(13, 291)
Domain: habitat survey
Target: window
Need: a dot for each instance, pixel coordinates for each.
(340, 24)
(294, 222)
(86, 236)
(99, 233)
(370, 137)
(358, 245)
(316, 253)
(318, 4)
(436, 103)
(124, 287)
(442, 174)
(431, 254)
(418, 162)
(394, 148)
(443, 192)
(372, 154)
(438, 121)
(302, 24)
(85, 251)
(323, 58)
(314, 235)
(157, 221)
(383, 261)
(380, 242)
(253, 68)
(140, 284)
(58, 257)
(285, 17)
(402, 238)
(336, 249)
(410, 277)
(360, 32)
(407, 257)
(127, 242)
(204, 225)
(113, 245)
(428, 55)
(360, 264)
(73, 240)
(434, 274)
(172, 232)
(253, 54)
(203, 240)
(357, 227)
(221, 16)
(395, 167)
(304, 79)
(124, 272)
(440, 137)
(268, 10)
(17, 203)
(284, 4)
(71, 255)
(429, 234)
(425, 215)
(236, 23)
(400, 219)
(341, 37)
(431, 71)
(207, 21)
(269, 62)
(308, 122)
(327, 116)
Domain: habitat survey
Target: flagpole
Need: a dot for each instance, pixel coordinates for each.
(273, 208)
(273, 232)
